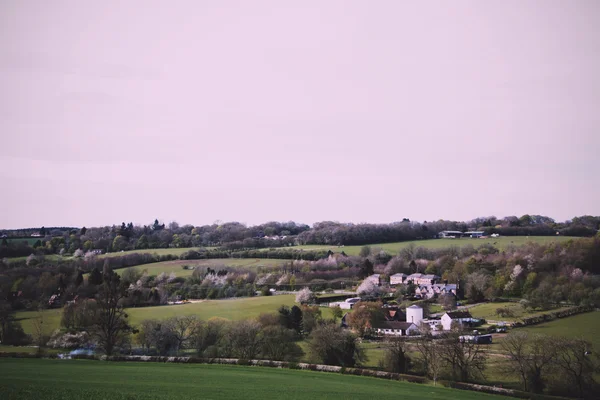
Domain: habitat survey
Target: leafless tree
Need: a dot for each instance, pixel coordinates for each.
(576, 363)
(181, 328)
(466, 358)
(431, 355)
(531, 357)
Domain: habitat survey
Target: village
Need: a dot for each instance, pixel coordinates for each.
(412, 320)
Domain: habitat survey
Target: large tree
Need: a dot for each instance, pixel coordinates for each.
(111, 329)
(330, 344)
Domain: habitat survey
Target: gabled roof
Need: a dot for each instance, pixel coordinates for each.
(399, 275)
(394, 325)
(459, 314)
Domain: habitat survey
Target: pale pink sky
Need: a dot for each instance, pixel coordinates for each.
(356, 111)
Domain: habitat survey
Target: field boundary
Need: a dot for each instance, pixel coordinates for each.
(303, 366)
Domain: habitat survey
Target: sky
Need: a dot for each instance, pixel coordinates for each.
(253, 111)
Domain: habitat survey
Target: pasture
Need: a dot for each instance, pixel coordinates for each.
(85, 379)
(488, 311)
(231, 309)
(394, 248)
(161, 252)
(176, 266)
(582, 326)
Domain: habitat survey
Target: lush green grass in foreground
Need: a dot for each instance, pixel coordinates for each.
(177, 266)
(71, 379)
(234, 309)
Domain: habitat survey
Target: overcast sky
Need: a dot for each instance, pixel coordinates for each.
(356, 111)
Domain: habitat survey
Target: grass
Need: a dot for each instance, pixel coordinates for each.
(585, 326)
(488, 311)
(161, 252)
(84, 379)
(233, 309)
(394, 248)
(177, 265)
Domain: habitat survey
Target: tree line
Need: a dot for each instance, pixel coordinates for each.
(234, 236)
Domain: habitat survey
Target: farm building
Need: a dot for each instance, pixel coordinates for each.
(474, 234)
(459, 317)
(346, 304)
(450, 234)
(396, 328)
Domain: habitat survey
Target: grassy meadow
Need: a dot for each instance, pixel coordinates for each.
(488, 311)
(394, 248)
(177, 265)
(84, 379)
(585, 326)
(233, 309)
(161, 252)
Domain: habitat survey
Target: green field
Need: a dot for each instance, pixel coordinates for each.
(394, 248)
(83, 379)
(488, 311)
(161, 252)
(585, 326)
(177, 265)
(234, 309)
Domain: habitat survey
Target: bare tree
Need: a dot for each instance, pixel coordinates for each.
(243, 339)
(182, 329)
(531, 357)
(396, 358)
(576, 363)
(431, 356)
(466, 358)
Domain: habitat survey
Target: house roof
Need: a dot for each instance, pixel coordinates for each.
(399, 275)
(414, 306)
(430, 276)
(459, 314)
(394, 314)
(394, 325)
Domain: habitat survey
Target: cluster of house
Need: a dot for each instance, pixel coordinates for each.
(428, 285)
(405, 323)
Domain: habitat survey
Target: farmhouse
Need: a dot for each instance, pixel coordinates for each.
(459, 317)
(398, 279)
(396, 328)
(422, 279)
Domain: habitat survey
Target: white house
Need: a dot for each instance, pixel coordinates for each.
(398, 279)
(396, 328)
(422, 279)
(346, 304)
(459, 317)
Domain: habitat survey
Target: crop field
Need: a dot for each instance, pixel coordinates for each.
(84, 379)
(177, 265)
(585, 326)
(233, 309)
(394, 248)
